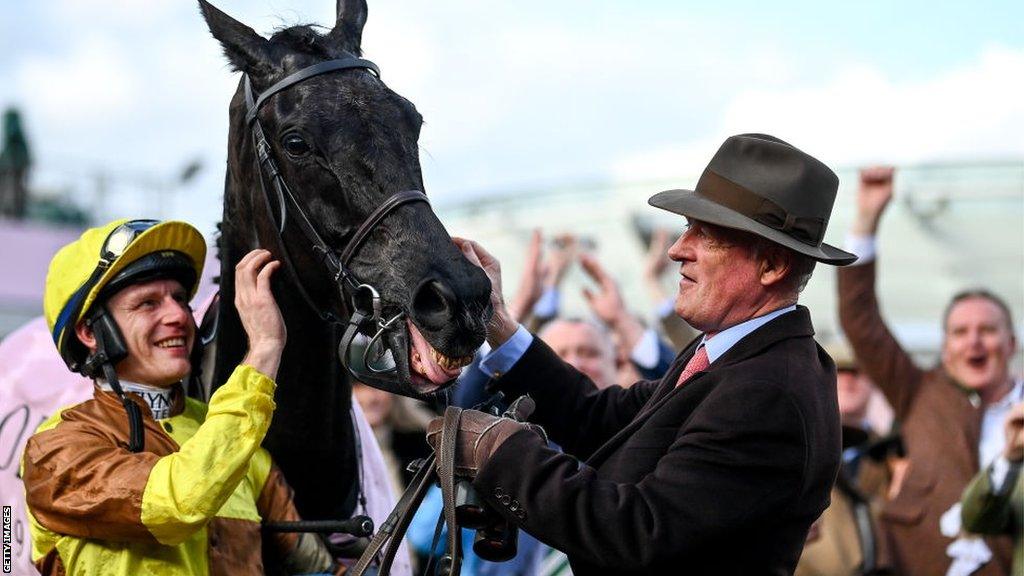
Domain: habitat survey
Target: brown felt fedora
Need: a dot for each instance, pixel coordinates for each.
(765, 186)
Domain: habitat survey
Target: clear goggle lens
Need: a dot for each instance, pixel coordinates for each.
(122, 237)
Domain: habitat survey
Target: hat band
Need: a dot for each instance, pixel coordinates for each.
(724, 192)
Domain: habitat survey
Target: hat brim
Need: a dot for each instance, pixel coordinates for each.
(689, 203)
(170, 235)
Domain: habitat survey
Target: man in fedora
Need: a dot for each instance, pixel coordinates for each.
(722, 465)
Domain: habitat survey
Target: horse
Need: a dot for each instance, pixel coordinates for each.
(365, 259)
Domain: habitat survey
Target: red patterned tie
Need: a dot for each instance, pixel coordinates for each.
(696, 364)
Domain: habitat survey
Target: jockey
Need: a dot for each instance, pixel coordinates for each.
(179, 487)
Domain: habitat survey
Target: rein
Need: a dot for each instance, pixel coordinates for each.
(460, 506)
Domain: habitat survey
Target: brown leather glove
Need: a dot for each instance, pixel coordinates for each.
(479, 437)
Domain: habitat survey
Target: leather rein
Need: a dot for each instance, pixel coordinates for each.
(455, 491)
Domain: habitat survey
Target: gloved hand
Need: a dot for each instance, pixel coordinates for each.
(479, 437)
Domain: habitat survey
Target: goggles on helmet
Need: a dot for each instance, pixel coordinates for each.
(113, 247)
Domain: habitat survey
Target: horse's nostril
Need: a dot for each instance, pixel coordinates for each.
(432, 304)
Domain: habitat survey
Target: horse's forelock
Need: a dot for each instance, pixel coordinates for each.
(306, 39)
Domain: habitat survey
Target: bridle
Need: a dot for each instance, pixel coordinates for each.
(365, 307)
(362, 299)
(363, 302)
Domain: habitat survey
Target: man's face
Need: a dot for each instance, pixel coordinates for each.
(854, 391)
(720, 282)
(158, 330)
(582, 346)
(978, 344)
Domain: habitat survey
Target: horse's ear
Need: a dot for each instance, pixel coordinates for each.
(348, 30)
(246, 50)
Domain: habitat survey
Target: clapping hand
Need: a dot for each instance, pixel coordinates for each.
(606, 303)
(531, 284)
(656, 262)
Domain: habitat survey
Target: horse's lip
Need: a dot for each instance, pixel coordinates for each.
(424, 386)
(425, 360)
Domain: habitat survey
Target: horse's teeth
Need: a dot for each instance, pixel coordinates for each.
(449, 363)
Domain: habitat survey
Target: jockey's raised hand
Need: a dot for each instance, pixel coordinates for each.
(502, 325)
(258, 311)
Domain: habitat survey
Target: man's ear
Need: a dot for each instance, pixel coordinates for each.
(85, 335)
(775, 267)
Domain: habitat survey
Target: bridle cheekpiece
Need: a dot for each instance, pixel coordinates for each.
(383, 369)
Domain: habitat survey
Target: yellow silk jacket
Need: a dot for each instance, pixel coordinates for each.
(190, 503)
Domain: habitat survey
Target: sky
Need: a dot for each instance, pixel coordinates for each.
(528, 94)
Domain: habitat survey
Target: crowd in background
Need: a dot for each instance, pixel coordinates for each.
(931, 456)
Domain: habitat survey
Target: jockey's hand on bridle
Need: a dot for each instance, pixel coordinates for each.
(479, 437)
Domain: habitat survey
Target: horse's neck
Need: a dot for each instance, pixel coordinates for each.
(311, 437)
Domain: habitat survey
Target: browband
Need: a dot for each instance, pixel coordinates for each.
(304, 74)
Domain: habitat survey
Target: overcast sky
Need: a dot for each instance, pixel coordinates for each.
(526, 94)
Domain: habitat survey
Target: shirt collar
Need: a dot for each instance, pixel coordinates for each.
(159, 399)
(1014, 395)
(720, 343)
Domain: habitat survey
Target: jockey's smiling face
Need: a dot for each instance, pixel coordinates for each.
(158, 330)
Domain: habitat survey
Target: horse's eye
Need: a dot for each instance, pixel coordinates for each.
(295, 145)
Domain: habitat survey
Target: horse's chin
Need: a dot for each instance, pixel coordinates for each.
(424, 386)
(429, 369)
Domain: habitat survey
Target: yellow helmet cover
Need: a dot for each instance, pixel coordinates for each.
(80, 270)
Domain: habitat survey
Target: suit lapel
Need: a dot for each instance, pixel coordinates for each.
(789, 325)
(685, 399)
(668, 381)
(663, 390)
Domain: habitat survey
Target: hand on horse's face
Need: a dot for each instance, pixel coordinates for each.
(501, 326)
(258, 311)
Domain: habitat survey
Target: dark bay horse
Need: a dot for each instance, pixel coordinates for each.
(344, 145)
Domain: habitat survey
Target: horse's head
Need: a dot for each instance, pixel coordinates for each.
(344, 144)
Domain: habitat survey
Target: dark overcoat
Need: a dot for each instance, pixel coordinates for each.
(723, 475)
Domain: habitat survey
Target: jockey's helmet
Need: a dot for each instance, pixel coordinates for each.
(86, 272)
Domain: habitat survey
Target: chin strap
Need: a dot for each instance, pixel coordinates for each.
(100, 360)
(136, 438)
